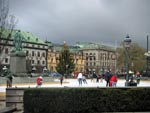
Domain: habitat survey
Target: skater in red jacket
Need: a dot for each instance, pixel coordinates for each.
(39, 81)
(113, 81)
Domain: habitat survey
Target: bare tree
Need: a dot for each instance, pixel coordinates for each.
(7, 24)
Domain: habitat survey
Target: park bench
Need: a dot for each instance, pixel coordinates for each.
(8, 110)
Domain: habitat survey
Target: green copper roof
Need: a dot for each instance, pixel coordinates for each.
(29, 37)
(90, 45)
(50, 44)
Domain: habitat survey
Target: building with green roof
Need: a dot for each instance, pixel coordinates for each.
(99, 58)
(35, 49)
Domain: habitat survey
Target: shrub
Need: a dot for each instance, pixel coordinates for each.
(86, 100)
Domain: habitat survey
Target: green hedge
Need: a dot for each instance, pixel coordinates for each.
(86, 100)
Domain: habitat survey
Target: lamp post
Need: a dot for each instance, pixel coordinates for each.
(5, 68)
(94, 70)
(132, 64)
(44, 71)
(66, 70)
(33, 71)
(127, 43)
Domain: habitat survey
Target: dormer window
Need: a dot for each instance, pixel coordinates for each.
(36, 39)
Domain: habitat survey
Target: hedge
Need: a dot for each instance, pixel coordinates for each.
(86, 100)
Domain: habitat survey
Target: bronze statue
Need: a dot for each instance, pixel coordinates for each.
(18, 41)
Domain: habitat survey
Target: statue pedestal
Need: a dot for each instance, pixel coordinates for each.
(18, 63)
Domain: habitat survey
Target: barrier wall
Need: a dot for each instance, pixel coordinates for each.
(14, 97)
(21, 80)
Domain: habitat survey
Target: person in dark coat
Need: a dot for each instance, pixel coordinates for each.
(9, 77)
(61, 79)
(107, 77)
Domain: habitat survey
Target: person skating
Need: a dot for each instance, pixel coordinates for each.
(107, 77)
(61, 80)
(80, 75)
(9, 77)
(84, 79)
(39, 81)
(113, 81)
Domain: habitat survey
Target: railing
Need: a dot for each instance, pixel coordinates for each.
(22, 80)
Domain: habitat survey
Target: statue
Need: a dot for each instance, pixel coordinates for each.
(18, 55)
(18, 41)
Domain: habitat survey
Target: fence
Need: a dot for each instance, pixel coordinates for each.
(22, 80)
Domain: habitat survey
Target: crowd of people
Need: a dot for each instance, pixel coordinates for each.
(110, 78)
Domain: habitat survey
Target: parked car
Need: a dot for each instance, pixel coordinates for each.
(54, 74)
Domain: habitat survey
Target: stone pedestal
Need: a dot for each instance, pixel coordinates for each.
(18, 63)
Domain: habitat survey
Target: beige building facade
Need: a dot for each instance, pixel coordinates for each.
(98, 58)
(53, 56)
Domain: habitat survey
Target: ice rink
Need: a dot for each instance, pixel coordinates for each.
(74, 83)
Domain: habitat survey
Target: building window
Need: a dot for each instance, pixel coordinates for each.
(43, 54)
(52, 68)
(32, 61)
(94, 58)
(76, 60)
(90, 63)
(90, 58)
(28, 38)
(32, 53)
(32, 45)
(6, 50)
(86, 64)
(86, 53)
(38, 54)
(38, 46)
(27, 53)
(51, 59)
(43, 62)
(6, 60)
(38, 62)
(86, 58)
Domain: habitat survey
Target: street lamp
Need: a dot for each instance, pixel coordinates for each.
(44, 70)
(66, 70)
(33, 71)
(93, 70)
(5, 68)
(89, 71)
(127, 43)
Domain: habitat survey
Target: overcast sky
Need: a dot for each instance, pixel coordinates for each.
(100, 21)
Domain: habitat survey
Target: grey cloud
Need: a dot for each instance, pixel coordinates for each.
(101, 21)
